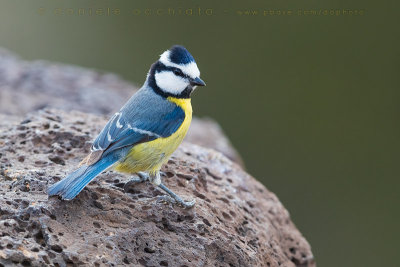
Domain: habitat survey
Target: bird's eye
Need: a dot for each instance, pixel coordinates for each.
(178, 72)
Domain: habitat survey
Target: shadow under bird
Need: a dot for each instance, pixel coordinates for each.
(141, 137)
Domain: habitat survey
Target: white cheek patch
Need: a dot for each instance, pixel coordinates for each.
(190, 69)
(170, 83)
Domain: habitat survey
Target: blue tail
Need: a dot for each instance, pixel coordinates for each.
(69, 187)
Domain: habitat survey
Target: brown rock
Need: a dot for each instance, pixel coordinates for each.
(236, 221)
(28, 86)
(207, 133)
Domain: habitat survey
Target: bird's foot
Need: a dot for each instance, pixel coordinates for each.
(165, 199)
(142, 177)
(174, 198)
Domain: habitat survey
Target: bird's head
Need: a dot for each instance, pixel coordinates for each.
(175, 73)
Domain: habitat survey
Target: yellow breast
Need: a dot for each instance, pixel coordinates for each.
(150, 156)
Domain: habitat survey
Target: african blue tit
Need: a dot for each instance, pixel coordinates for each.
(146, 131)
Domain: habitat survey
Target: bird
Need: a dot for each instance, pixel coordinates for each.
(142, 135)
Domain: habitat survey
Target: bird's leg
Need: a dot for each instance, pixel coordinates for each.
(155, 179)
(142, 177)
(172, 197)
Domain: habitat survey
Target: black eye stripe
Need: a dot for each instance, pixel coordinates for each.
(160, 67)
(176, 71)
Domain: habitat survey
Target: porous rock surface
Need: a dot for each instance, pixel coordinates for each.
(32, 85)
(235, 222)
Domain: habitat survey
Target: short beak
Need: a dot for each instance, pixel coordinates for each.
(198, 82)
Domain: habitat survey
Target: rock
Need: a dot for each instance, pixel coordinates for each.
(207, 133)
(235, 222)
(28, 86)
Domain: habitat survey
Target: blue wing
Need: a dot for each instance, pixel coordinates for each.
(145, 117)
(140, 120)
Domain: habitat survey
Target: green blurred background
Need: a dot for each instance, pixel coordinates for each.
(310, 101)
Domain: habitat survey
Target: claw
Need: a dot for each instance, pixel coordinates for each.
(188, 204)
(156, 180)
(177, 199)
(169, 199)
(166, 199)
